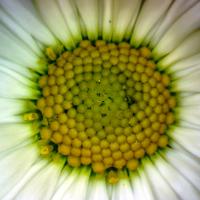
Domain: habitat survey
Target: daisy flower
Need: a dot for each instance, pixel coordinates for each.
(99, 99)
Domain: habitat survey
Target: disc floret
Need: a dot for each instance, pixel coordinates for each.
(106, 105)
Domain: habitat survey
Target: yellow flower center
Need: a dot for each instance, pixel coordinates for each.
(105, 105)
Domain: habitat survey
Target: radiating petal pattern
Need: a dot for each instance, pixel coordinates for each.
(89, 13)
(13, 134)
(43, 184)
(16, 87)
(22, 70)
(122, 190)
(178, 8)
(14, 169)
(81, 185)
(28, 18)
(187, 80)
(191, 100)
(170, 28)
(19, 31)
(145, 184)
(68, 178)
(189, 165)
(188, 138)
(123, 14)
(189, 47)
(71, 18)
(107, 19)
(185, 63)
(22, 79)
(191, 115)
(12, 108)
(160, 187)
(11, 45)
(150, 14)
(183, 26)
(174, 178)
(28, 175)
(97, 188)
(56, 22)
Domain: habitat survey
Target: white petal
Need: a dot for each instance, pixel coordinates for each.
(82, 25)
(107, 19)
(136, 11)
(185, 25)
(42, 185)
(188, 138)
(189, 47)
(12, 87)
(28, 175)
(159, 186)
(80, 185)
(187, 80)
(64, 174)
(15, 50)
(141, 185)
(25, 14)
(189, 166)
(180, 185)
(123, 14)
(187, 124)
(97, 189)
(185, 63)
(13, 134)
(12, 108)
(145, 184)
(14, 165)
(190, 114)
(88, 11)
(122, 190)
(190, 100)
(24, 71)
(138, 192)
(67, 180)
(150, 13)
(152, 32)
(177, 147)
(109, 188)
(100, 20)
(18, 76)
(54, 19)
(71, 18)
(20, 32)
(177, 8)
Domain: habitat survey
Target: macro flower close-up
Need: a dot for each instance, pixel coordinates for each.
(100, 99)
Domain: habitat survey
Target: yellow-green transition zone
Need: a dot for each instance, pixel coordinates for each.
(105, 105)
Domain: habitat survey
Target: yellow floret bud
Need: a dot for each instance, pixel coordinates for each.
(50, 53)
(132, 164)
(163, 141)
(98, 167)
(30, 116)
(45, 133)
(151, 149)
(86, 160)
(112, 177)
(119, 164)
(45, 150)
(74, 161)
(64, 149)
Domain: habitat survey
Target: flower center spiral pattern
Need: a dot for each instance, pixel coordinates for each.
(105, 105)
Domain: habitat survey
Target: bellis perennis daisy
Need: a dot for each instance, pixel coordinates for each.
(100, 99)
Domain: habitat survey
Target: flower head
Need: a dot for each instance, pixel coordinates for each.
(99, 99)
